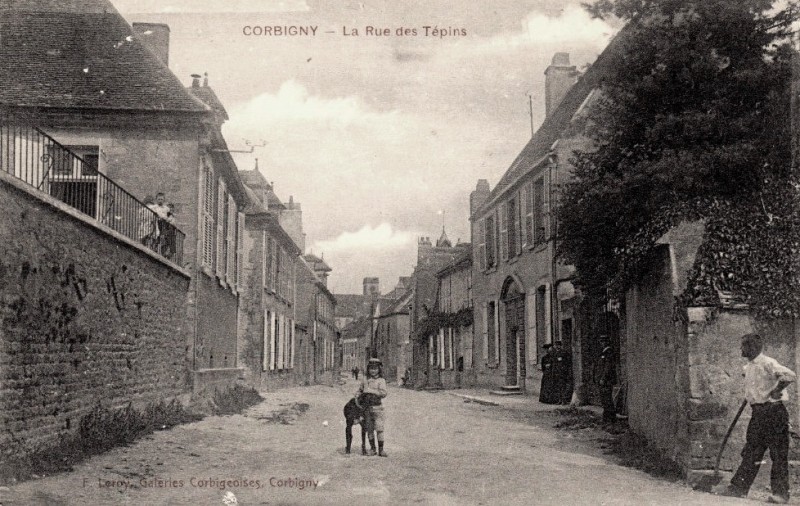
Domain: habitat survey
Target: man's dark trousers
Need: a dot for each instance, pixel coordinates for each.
(607, 401)
(768, 428)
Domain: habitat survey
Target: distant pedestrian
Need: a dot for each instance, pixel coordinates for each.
(765, 382)
(374, 384)
(355, 372)
(606, 377)
(548, 393)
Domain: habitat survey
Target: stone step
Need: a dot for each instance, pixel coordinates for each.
(506, 392)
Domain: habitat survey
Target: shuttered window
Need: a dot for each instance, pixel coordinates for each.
(208, 229)
(481, 244)
(490, 242)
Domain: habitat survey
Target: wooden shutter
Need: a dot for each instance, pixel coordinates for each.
(548, 326)
(272, 329)
(240, 251)
(221, 203)
(530, 327)
(209, 229)
(503, 231)
(265, 362)
(481, 245)
(230, 244)
(546, 207)
(291, 343)
(528, 212)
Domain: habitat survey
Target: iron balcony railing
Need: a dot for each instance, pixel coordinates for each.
(29, 154)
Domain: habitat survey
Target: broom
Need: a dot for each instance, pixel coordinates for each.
(707, 482)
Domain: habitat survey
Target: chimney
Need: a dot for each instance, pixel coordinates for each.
(559, 78)
(195, 80)
(479, 196)
(156, 37)
(291, 220)
(372, 286)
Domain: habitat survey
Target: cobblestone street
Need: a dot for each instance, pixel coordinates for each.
(442, 449)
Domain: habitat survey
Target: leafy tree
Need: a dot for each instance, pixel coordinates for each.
(692, 121)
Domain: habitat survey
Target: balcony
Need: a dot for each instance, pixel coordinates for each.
(72, 176)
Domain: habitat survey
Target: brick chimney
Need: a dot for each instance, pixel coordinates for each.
(559, 78)
(291, 220)
(479, 196)
(156, 37)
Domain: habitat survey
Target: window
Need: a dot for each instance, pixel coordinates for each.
(513, 224)
(73, 179)
(267, 342)
(270, 326)
(490, 242)
(542, 316)
(445, 346)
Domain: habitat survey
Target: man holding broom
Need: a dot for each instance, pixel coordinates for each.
(765, 382)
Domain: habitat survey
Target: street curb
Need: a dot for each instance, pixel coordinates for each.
(476, 400)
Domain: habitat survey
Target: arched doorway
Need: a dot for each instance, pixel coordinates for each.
(513, 297)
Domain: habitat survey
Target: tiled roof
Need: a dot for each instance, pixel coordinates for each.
(81, 54)
(461, 261)
(349, 304)
(554, 125)
(400, 305)
(317, 263)
(255, 180)
(206, 94)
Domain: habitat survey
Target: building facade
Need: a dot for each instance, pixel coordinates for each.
(524, 298)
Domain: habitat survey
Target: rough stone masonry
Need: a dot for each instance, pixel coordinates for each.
(87, 318)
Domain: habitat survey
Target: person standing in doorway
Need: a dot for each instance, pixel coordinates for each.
(547, 392)
(563, 373)
(606, 377)
(765, 382)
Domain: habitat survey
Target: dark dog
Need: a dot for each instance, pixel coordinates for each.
(355, 413)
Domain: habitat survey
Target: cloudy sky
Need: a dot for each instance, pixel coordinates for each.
(380, 138)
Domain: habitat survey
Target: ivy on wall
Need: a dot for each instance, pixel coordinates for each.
(431, 324)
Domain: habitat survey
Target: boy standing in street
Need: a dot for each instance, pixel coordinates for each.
(374, 384)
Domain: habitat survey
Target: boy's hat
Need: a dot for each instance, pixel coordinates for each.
(374, 361)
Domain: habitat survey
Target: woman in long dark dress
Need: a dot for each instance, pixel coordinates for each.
(548, 394)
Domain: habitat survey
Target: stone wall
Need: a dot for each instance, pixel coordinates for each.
(87, 318)
(657, 361)
(685, 376)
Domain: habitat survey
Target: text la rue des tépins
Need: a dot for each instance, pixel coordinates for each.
(346, 31)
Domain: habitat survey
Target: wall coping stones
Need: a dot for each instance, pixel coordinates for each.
(64, 208)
